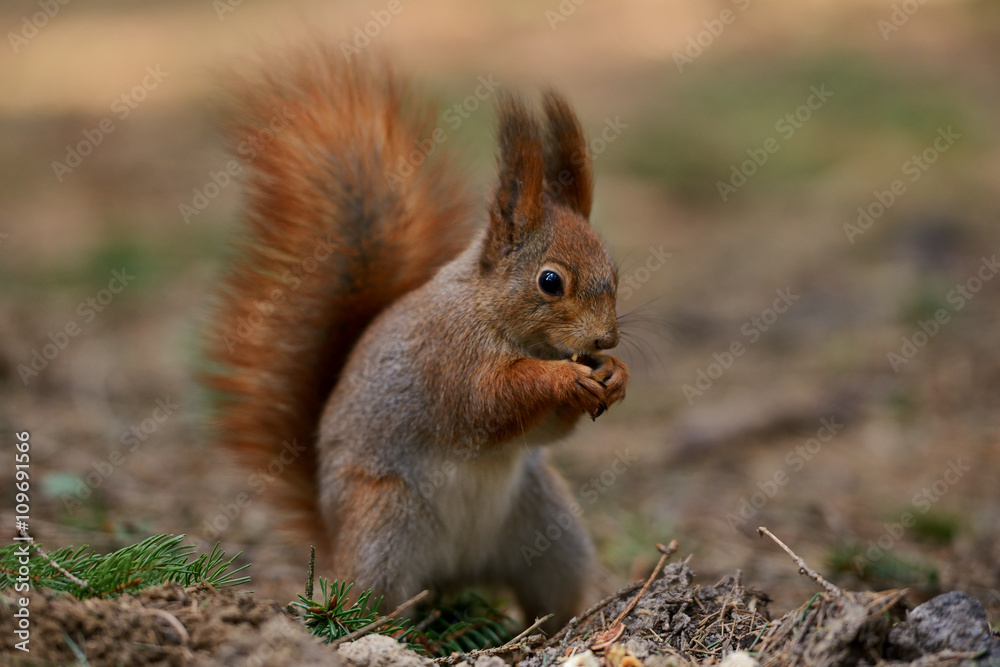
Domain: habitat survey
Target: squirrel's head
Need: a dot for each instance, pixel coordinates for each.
(550, 281)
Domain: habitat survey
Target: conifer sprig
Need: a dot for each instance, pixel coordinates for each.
(157, 560)
(333, 616)
(461, 625)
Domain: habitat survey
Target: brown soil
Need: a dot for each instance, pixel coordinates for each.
(675, 622)
(164, 625)
(708, 473)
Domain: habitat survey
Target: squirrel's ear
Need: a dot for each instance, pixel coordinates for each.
(568, 175)
(517, 208)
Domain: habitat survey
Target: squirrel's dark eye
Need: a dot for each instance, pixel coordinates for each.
(550, 283)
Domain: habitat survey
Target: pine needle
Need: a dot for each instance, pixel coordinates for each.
(160, 559)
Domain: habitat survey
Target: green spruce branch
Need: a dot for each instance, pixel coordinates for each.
(462, 625)
(157, 560)
(333, 616)
(468, 623)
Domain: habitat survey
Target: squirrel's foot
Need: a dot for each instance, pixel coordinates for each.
(585, 393)
(613, 375)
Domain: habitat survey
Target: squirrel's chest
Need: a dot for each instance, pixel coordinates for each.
(472, 502)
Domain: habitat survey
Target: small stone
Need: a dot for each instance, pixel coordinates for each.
(739, 659)
(380, 651)
(585, 659)
(949, 622)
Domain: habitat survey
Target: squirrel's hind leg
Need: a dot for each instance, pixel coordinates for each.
(377, 529)
(544, 552)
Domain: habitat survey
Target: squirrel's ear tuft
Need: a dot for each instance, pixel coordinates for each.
(517, 210)
(568, 175)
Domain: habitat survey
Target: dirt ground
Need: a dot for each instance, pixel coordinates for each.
(666, 621)
(802, 197)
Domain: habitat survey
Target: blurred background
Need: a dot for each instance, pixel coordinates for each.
(802, 197)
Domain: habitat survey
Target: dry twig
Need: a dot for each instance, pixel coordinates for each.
(514, 644)
(312, 573)
(666, 552)
(564, 634)
(174, 622)
(534, 626)
(379, 621)
(63, 571)
(803, 568)
(580, 618)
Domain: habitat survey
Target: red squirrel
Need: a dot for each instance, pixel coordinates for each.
(415, 361)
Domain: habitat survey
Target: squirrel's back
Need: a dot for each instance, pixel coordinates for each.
(345, 211)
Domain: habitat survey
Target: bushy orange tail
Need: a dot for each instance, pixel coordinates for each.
(344, 214)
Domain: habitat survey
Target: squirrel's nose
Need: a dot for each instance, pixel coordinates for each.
(607, 341)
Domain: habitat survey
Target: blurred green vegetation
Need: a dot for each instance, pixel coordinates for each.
(930, 294)
(896, 567)
(637, 535)
(937, 527)
(698, 127)
(153, 261)
(888, 570)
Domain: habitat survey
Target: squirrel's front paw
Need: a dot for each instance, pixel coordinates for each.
(583, 392)
(613, 375)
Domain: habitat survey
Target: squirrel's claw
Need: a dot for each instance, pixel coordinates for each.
(600, 411)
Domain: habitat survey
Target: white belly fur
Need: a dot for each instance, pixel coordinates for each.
(472, 501)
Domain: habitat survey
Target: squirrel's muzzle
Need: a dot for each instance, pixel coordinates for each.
(607, 341)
